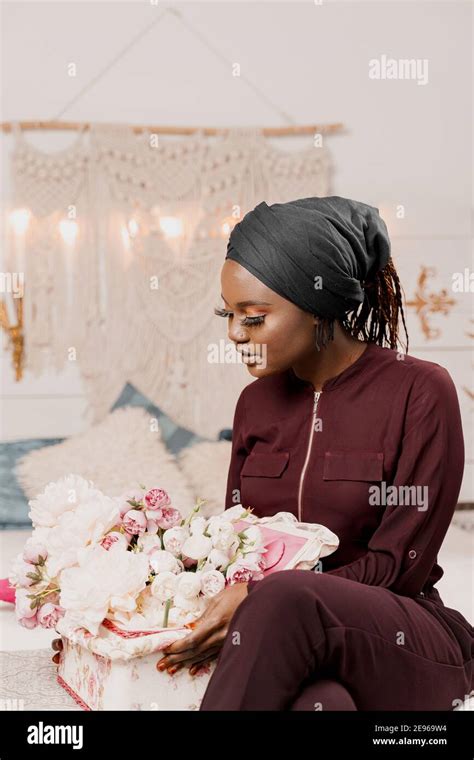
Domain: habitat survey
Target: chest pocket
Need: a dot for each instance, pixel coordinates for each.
(353, 465)
(268, 465)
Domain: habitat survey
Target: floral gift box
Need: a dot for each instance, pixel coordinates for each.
(115, 670)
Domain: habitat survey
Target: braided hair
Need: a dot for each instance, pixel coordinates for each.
(377, 318)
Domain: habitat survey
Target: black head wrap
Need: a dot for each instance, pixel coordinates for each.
(289, 246)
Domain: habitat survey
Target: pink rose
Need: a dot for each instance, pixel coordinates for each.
(237, 573)
(169, 518)
(188, 562)
(114, 539)
(134, 522)
(156, 498)
(126, 498)
(28, 622)
(49, 614)
(32, 553)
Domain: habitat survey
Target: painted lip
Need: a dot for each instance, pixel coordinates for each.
(251, 358)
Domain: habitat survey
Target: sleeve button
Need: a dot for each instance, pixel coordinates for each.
(412, 554)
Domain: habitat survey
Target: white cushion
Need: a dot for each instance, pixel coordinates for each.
(205, 466)
(120, 452)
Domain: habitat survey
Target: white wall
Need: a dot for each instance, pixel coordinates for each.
(404, 144)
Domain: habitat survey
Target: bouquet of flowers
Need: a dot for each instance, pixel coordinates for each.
(133, 560)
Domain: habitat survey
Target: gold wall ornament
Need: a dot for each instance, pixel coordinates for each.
(15, 335)
(426, 303)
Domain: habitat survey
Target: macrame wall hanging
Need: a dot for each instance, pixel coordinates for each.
(122, 252)
(121, 238)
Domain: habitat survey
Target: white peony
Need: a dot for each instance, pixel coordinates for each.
(197, 547)
(189, 585)
(198, 525)
(174, 538)
(59, 497)
(194, 608)
(215, 524)
(233, 513)
(103, 580)
(148, 542)
(162, 561)
(85, 526)
(253, 539)
(177, 617)
(164, 586)
(217, 560)
(226, 542)
(212, 582)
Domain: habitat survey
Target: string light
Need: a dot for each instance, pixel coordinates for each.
(133, 227)
(172, 226)
(20, 219)
(68, 229)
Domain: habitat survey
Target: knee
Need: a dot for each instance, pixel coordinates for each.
(324, 694)
(287, 587)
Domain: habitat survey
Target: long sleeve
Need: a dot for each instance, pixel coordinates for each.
(402, 551)
(238, 455)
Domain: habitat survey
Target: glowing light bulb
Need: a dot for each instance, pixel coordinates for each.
(20, 219)
(132, 227)
(69, 230)
(171, 226)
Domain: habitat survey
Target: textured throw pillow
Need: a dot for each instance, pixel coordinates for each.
(205, 466)
(120, 452)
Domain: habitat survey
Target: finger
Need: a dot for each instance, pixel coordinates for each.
(195, 638)
(56, 658)
(57, 644)
(202, 663)
(215, 640)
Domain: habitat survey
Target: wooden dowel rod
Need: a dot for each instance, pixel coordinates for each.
(267, 131)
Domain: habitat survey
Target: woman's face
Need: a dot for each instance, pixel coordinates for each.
(271, 333)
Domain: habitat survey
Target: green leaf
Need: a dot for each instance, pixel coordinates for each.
(34, 576)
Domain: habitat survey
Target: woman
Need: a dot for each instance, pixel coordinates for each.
(333, 419)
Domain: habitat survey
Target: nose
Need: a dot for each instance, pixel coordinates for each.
(237, 333)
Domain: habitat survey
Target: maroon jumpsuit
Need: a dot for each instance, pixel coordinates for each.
(368, 630)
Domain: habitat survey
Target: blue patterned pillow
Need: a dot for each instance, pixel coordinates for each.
(13, 503)
(175, 438)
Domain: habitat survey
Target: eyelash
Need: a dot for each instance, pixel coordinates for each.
(245, 321)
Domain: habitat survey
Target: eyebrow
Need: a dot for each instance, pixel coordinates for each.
(242, 304)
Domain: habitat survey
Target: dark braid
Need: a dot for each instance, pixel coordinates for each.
(376, 319)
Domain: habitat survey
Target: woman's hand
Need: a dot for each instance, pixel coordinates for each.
(206, 641)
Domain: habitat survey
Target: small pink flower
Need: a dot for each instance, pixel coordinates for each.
(237, 573)
(135, 496)
(134, 522)
(28, 622)
(114, 538)
(32, 553)
(189, 562)
(156, 498)
(170, 518)
(49, 614)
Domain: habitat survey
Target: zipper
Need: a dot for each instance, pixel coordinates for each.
(317, 394)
